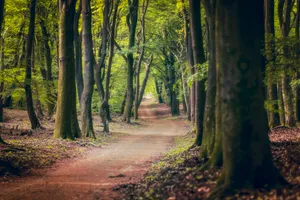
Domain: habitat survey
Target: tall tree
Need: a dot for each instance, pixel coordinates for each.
(246, 147)
(66, 123)
(131, 20)
(138, 67)
(186, 91)
(78, 52)
(2, 3)
(284, 14)
(48, 74)
(199, 58)
(209, 124)
(270, 57)
(30, 40)
(100, 67)
(104, 107)
(1, 66)
(88, 78)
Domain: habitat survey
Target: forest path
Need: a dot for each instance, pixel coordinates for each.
(93, 175)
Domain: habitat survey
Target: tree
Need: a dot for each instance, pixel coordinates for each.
(209, 124)
(1, 66)
(78, 53)
(29, 47)
(88, 79)
(104, 107)
(66, 124)
(1, 84)
(48, 71)
(246, 147)
(284, 15)
(138, 67)
(131, 20)
(270, 57)
(199, 58)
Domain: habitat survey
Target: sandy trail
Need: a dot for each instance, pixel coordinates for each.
(93, 176)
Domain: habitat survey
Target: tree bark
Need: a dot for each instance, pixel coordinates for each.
(131, 23)
(209, 125)
(144, 84)
(158, 89)
(2, 59)
(246, 147)
(49, 79)
(186, 91)
(270, 53)
(199, 58)
(138, 67)
(99, 68)
(66, 123)
(30, 39)
(284, 15)
(78, 53)
(88, 78)
(104, 108)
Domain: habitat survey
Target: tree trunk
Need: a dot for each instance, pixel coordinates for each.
(246, 147)
(49, 79)
(2, 61)
(30, 39)
(209, 125)
(192, 69)
(138, 67)
(66, 124)
(270, 54)
(284, 15)
(88, 78)
(158, 89)
(1, 64)
(131, 23)
(199, 58)
(105, 103)
(186, 92)
(123, 103)
(38, 106)
(297, 89)
(99, 68)
(78, 53)
(144, 84)
(280, 104)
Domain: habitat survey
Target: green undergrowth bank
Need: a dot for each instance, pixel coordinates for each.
(178, 176)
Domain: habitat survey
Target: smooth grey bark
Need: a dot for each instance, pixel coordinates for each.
(88, 78)
(78, 53)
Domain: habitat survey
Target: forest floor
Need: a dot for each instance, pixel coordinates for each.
(36, 166)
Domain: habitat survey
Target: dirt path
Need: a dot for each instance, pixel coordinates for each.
(93, 176)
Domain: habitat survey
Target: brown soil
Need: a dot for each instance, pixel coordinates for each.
(93, 175)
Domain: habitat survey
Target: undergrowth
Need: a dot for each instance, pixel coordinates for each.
(177, 174)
